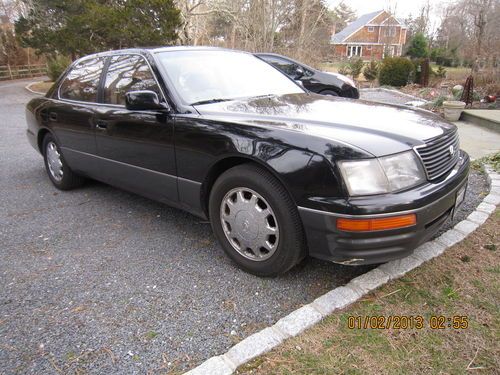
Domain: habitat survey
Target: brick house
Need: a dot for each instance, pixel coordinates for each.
(372, 36)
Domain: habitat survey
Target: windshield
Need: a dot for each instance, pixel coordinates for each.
(208, 76)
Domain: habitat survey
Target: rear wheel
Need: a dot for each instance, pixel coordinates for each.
(256, 221)
(59, 172)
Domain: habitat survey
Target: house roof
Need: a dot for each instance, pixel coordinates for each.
(354, 26)
(401, 22)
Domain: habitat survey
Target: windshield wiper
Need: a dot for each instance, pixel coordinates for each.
(264, 96)
(210, 101)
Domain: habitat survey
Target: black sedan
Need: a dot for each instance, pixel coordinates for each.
(314, 80)
(281, 173)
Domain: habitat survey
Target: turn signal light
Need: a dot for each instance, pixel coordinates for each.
(385, 223)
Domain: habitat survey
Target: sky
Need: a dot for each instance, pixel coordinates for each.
(403, 7)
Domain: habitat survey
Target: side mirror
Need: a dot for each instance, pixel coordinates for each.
(143, 100)
(299, 73)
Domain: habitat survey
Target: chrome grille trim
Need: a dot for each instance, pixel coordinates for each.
(435, 154)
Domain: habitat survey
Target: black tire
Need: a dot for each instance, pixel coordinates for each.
(329, 93)
(291, 247)
(70, 179)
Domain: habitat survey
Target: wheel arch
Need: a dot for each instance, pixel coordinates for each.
(224, 164)
(40, 136)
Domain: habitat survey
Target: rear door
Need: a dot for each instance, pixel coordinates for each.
(135, 148)
(71, 113)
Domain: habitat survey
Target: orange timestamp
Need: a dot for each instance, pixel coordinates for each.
(407, 322)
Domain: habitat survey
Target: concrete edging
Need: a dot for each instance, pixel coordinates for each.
(28, 87)
(308, 315)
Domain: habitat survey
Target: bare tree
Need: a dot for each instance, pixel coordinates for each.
(471, 27)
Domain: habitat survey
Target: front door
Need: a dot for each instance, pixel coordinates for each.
(135, 148)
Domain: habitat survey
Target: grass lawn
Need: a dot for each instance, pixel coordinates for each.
(332, 67)
(464, 282)
(455, 74)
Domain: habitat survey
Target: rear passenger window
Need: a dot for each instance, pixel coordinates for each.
(82, 81)
(127, 73)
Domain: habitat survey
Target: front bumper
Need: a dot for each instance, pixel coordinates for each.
(432, 204)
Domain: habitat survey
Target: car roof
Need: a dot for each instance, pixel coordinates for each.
(158, 49)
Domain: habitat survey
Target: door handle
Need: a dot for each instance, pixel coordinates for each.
(52, 116)
(101, 125)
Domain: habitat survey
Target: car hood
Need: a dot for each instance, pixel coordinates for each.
(378, 129)
(339, 79)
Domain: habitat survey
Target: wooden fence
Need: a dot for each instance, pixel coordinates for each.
(22, 71)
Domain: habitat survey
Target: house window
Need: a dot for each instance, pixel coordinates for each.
(354, 51)
(371, 29)
(389, 51)
(390, 31)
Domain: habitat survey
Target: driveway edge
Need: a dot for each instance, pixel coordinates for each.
(340, 297)
(28, 87)
(392, 91)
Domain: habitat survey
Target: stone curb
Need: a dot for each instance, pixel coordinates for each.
(340, 297)
(28, 87)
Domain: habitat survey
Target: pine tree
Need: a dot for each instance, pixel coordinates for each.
(418, 46)
(79, 27)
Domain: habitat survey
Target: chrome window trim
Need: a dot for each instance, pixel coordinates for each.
(110, 56)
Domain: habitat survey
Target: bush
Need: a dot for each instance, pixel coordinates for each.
(395, 71)
(458, 95)
(440, 72)
(445, 57)
(56, 66)
(355, 67)
(371, 71)
(344, 70)
(438, 102)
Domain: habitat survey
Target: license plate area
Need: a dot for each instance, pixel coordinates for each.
(460, 196)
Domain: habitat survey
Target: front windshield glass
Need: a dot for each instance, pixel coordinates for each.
(204, 76)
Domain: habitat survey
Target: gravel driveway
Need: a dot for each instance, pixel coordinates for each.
(102, 281)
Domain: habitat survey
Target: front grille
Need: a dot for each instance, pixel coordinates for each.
(440, 154)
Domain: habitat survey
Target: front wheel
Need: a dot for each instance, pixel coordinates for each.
(256, 221)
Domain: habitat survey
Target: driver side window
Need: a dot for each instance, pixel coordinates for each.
(128, 73)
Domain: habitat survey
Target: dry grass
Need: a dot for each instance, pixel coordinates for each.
(455, 74)
(42, 86)
(464, 281)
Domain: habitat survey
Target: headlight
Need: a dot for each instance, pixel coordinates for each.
(382, 175)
